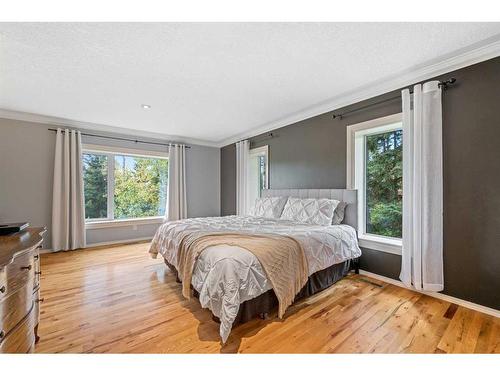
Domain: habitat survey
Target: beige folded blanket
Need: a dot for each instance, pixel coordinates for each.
(281, 257)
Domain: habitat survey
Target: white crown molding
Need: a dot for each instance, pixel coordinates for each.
(477, 53)
(444, 297)
(58, 121)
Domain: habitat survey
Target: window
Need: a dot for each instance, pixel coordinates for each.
(120, 185)
(384, 183)
(258, 177)
(95, 185)
(375, 169)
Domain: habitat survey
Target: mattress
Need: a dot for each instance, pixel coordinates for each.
(226, 276)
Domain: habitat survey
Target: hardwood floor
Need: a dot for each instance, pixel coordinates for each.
(118, 300)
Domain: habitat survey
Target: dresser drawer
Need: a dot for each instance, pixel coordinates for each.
(19, 290)
(18, 273)
(22, 338)
(15, 306)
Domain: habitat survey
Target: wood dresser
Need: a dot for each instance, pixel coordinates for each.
(20, 290)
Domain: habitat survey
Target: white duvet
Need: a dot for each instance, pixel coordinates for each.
(226, 276)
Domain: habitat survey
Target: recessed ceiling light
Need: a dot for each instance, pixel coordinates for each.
(145, 106)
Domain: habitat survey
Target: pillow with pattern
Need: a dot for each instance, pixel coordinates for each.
(269, 207)
(338, 215)
(310, 211)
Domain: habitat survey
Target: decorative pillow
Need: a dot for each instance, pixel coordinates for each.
(310, 211)
(270, 207)
(338, 214)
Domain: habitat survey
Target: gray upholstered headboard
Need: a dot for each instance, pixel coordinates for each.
(343, 195)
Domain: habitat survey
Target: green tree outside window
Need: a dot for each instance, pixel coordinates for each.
(140, 186)
(384, 183)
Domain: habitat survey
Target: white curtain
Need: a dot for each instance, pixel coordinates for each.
(242, 155)
(68, 211)
(177, 202)
(422, 254)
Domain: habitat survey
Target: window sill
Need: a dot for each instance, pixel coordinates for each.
(387, 245)
(123, 222)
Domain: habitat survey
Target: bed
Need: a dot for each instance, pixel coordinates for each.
(230, 280)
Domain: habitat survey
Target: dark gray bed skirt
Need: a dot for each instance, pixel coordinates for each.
(267, 302)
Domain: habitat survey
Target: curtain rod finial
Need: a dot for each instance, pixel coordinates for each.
(445, 84)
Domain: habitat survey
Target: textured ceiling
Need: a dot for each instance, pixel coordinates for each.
(208, 81)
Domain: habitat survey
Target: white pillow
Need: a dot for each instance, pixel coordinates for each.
(270, 207)
(338, 215)
(310, 211)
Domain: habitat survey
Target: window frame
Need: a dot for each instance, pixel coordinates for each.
(108, 151)
(356, 173)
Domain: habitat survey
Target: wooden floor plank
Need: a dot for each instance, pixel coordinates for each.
(119, 300)
(462, 333)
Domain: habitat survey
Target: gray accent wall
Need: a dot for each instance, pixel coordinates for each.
(228, 180)
(312, 154)
(26, 173)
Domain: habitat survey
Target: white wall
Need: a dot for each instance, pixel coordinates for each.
(26, 172)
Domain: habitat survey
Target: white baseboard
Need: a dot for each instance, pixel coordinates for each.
(119, 242)
(444, 297)
(97, 244)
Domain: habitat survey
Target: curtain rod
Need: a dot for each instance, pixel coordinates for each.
(124, 139)
(443, 84)
(259, 137)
